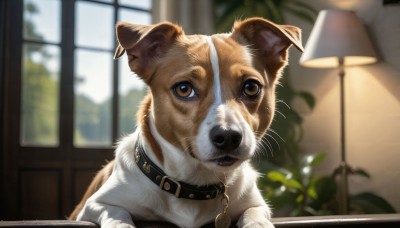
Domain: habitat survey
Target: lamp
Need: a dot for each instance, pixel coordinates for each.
(339, 39)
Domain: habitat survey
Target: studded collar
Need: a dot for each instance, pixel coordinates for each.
(178, 188)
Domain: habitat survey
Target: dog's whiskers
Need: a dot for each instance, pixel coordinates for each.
(283, 102)
(280, 113)
(272, 137)
(272, 130)
(264, 146)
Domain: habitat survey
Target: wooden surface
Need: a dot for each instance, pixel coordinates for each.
(353, 221)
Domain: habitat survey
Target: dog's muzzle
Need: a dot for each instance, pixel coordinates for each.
(227, 142)
(225, 139)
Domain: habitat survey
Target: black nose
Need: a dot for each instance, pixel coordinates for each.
(225, 138)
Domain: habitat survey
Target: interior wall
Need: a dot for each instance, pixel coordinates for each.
(195, 17)
(372, 96)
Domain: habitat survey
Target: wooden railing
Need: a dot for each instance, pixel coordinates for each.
(353, 221)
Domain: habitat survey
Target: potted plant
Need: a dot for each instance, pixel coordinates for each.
(297, 191)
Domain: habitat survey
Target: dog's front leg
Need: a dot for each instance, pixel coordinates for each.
(106, 216)
(256, 217)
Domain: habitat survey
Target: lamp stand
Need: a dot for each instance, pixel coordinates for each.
(339, 38)
(343, 187)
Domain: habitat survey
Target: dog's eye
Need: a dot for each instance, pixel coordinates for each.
(251, 89)
(184, 90)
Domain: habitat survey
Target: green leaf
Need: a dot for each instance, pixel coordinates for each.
(308, 98)
(276, 176)
(313, 160)
(312, 193)
(291, 183)
(300, 198)
(371, 204)
(285, 180)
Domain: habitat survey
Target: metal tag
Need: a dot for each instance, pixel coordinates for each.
(222, 220)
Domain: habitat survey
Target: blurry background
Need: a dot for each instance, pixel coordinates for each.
(65, 102)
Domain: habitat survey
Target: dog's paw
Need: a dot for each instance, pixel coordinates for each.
(256, 217)
(258, 224)
(118, 225)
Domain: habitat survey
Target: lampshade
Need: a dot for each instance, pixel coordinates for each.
(338, 35)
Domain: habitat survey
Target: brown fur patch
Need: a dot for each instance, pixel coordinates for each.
(143, 116)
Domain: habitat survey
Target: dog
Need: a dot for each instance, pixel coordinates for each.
(210, 101)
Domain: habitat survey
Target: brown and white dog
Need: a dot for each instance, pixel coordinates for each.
(210, 101)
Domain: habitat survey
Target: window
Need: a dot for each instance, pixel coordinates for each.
(94, 72)
(66, 100)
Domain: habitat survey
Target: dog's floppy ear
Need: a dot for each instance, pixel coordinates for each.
(269, 41)
(144, 44)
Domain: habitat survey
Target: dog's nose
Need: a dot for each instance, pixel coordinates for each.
(225, 138)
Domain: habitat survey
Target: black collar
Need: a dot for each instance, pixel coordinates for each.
(170, 185)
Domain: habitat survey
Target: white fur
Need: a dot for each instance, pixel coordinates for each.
(215, 67)
(128, 192)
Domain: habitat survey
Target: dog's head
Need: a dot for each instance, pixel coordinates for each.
(212, 96)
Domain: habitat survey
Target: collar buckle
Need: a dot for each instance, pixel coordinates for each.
(166, 182)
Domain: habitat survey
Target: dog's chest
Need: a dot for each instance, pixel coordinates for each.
(181, 212)
(189, 213)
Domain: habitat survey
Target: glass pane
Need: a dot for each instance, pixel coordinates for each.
(40, 95)
(131, 92)
(142, 4)
(94, 25)
(42, 20)
(93, 90)
(134, 16)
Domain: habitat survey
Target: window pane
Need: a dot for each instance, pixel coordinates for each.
(42, 20)
(94, 25)
(142, 4)
(134, 16)
(131, 92)
(93, 90)
(40, 93)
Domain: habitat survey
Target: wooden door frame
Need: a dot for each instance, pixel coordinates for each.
(10, 109)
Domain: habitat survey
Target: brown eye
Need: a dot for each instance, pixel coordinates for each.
(184, 90)
(251, 89)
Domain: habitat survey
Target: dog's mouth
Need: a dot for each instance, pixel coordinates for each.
(225, 161)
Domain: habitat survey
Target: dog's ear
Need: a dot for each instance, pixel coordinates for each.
(269, 41)
(145, 44)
